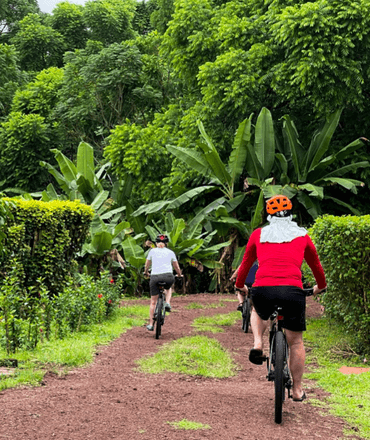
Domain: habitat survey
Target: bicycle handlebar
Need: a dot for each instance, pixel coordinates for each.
(309, 291)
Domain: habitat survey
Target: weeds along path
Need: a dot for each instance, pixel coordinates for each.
(111, 399)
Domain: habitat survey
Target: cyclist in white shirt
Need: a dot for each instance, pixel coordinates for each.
(163, 261)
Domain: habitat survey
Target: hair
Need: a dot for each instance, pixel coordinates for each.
(285, 213)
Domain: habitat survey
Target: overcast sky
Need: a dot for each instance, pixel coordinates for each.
(49, 5)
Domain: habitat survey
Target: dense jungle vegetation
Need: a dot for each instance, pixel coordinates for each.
(182, 117)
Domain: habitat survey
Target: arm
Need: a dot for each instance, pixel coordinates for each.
(147, 265)
(176, 266)
(312, 258)
(235, 274)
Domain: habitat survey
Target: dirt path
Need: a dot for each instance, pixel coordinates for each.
(111, 400)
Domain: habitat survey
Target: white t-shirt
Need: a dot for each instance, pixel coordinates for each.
(161, 259)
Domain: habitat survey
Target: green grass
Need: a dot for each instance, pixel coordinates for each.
(188, 425)
(73, 351)
(349, 394)
(192, 355)
(215, 323)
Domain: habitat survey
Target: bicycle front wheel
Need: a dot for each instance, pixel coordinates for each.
(280, 352)
(159, 321)
(246, 314)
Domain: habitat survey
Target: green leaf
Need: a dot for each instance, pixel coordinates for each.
(194, 159)
(296, 150)
(189, 195)
(62, 181)
(348, 168)
(101, 242)
(200, 215)
(311, 205)
(120, 227)
(258, 213)
(111, 213)
(85, 162)
(151, 208)
(239, 151)
(99, 200)
(178, 227)
(346, 205)
(213, 158)
(315, 191)
(264, 142)
(66, 166)
(349, 184)
(320, 141)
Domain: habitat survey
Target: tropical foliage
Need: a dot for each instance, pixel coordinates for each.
(183, 117)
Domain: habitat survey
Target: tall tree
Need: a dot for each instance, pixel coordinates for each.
(67, 19)
(39, 46)
(109, 21)
(13, 11)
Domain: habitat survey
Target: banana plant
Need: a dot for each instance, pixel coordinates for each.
(305, 172)
(207, 162)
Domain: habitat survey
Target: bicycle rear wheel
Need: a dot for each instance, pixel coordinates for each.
(280, 354)
(246, 314)
(159, 313)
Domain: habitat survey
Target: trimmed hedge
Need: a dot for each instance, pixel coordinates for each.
(343, 244)
(44, 238)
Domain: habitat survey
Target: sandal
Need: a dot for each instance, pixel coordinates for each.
(301, 399)
(240, 307)
(150, 327)
(256, 356)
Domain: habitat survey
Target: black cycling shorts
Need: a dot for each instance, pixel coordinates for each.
(291, 299)
(167, 278)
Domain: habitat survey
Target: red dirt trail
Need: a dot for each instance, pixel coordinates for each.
(110, 399)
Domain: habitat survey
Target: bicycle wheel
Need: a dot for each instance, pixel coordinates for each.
(159, 321)
(279, 375)
(246, 314)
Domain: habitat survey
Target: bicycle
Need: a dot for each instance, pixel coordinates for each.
(246, 311)
(160, 311)
(277, 362)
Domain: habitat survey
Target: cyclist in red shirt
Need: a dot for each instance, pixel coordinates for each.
(280, 249)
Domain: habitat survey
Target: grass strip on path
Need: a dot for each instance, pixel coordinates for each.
(188, 425)
(349, 394)
(74, 351)
(215, 323)
(192, 355)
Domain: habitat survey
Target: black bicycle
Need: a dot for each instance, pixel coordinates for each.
(160, 310)
(246, 312)
(277, 362)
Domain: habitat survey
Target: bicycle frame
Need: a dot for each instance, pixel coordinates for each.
(276, 321)
(160, 311)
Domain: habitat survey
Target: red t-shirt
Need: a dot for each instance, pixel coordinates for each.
(279, 264)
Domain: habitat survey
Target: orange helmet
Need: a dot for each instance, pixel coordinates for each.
(278, 203)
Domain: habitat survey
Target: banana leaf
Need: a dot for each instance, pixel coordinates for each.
(239, 151)
(66, 166)
(213, 158)
(264, 142)
(85, 162)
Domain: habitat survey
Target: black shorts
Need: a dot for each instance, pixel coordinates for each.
(291, 299)
(167, 278)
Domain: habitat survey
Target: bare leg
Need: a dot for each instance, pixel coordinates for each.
(168, 293)
(153, 302)
(297, 360)
(258, 328)
(240, 297)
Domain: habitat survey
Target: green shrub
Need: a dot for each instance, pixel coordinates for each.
(343, 245)
(44, 238)
(27, 317)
